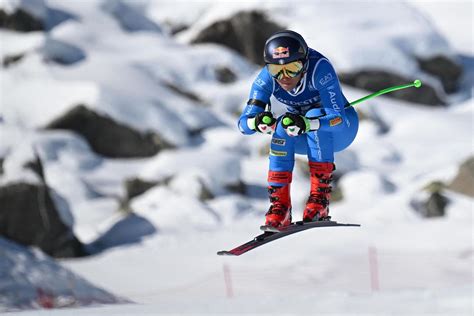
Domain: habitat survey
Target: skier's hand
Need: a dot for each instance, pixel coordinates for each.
(265, 123)
(295, 124)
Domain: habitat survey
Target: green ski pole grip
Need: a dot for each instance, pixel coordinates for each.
(267, 120)
(287, 121)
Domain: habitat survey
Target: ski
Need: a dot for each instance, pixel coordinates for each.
(271, 233)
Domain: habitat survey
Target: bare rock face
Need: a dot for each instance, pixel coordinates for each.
(21, 21)
(33, 15)
(464, 181)
(431, 201)
(10, 60)
(448, 71)
(435, 206)
(245, 32)
(108, 137)
(129, 19)
(225, 75)
(136, 186)
(29, 217)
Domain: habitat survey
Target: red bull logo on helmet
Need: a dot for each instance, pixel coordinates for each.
(281, 52)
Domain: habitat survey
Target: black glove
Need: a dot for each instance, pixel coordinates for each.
(265, 123)
(295, 124)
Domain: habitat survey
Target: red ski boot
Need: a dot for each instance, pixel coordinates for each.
(279, 213)
(317, 206)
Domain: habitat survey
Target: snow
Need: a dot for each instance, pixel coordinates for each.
(29, 279)
(129, 18)
(449, 18)
(163, 255)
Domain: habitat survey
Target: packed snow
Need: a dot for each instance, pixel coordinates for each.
(163, 256)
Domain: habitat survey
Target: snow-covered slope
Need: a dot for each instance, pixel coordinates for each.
(30, 279)
(396, 263)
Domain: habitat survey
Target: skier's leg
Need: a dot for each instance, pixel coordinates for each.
(320, 159)
(281, 160)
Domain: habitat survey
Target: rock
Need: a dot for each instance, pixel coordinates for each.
(445, 69)
(36, 166)
(225, 75)
(21, 21)
(135, 187)
(205, 193)
(430, 202)
(180, 91)
(239, 188)
(435, 205)
(464, 180)
(375, 80)
(11, 60)
(245, 32)
(108, 137)
(29, 217)
(177, 28)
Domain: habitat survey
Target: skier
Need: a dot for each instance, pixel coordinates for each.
(316, 122)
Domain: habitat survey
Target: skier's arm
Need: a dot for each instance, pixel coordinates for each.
(260, 94)
(333, 101)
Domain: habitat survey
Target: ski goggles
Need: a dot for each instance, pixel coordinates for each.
(290, 70)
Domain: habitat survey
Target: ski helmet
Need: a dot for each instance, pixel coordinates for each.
(284, 47)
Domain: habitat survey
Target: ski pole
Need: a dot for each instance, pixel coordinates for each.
(267, 119)
(416, 84)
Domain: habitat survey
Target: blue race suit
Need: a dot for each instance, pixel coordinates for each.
(318, 94)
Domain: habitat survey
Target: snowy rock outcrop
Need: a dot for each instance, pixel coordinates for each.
(426, 56)
(30, 279)
(464, 180)
(23, 16)
(28, 213)
(108, 137)
(245, 32)
(29, 216)
(445, 68)
(30, 15)
(431, 201)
